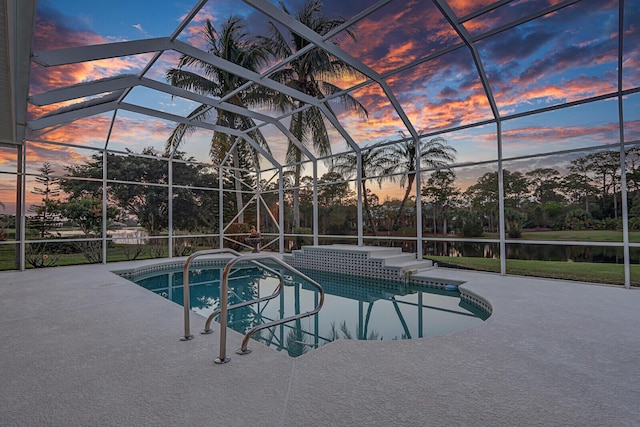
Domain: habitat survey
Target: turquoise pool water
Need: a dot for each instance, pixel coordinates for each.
(354, 307)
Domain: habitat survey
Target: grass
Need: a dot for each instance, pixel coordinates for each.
(578, 271)
(115, 253)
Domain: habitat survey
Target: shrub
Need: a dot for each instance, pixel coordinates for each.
(182, 247)
(37, 255)
(611, 224)
(578, 219)
(513, 223)
(468, 223)
(634, 224)
(302, 240)
(472, 229)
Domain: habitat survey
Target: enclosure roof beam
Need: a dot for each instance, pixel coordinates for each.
(75, 55)
(83, 90)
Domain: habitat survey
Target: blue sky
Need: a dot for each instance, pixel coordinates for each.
(561, 57)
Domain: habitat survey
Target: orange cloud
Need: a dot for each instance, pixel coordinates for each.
(138, 133)
(515, 95)
(91, 131)
(632, 130)
(549, 134)
(383, 38)
(58, 156)
(538, 139)
(51, 34)
(464, 7)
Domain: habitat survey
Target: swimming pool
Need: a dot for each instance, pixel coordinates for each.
(354, 307)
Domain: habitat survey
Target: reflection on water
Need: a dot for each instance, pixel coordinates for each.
(354, 307)
(552, 252)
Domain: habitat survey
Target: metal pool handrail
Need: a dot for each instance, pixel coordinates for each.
(224, 285)
(276, 292)
(185, 283)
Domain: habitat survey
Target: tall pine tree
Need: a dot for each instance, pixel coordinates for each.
(45, 214)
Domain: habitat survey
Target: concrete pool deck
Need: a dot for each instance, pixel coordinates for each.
(82, 346)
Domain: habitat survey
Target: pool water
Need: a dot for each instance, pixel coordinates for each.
(354, 307)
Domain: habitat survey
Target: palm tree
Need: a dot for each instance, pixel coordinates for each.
(374, 163)
(232, 44)
(306, 73)
(434, 154)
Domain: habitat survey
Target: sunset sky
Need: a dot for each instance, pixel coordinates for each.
(562, 57)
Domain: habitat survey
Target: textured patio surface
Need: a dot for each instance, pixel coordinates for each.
(84, 347)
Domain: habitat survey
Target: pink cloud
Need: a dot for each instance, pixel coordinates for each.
(51, 34)
(464, 7)
(380, 43)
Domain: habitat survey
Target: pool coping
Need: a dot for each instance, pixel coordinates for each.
(421, 278)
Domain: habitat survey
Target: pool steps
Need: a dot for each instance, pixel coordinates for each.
(368, 261)
(376, 262)
(256, 259)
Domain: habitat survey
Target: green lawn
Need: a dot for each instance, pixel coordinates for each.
(115, 252)
(580, 271)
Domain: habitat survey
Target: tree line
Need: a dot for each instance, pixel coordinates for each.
(586, 196)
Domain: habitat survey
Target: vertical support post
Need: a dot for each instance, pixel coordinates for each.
(186, 300)
(220, 208)
(420, 316)
(501, 222)
(623, 161)
(170, 206)
(281, 209)
(418, 211)
(224, 287)
(316, 229)
(316, 320)
(281, 326)
(105, 176)
(20, 207)
(360, 195)
(104, 206)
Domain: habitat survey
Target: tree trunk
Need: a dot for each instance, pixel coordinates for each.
(435, 224)
(296, 195)
(396, 220)
(586, 202)
(367, 209)
(238, 184)
(298, 133)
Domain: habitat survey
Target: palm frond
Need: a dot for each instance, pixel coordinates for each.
(346, 101)
(183, 130)
(194, 82)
